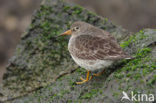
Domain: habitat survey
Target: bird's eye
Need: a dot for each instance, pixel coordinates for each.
(75, 28)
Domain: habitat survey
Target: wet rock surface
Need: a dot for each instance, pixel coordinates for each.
(42, 70)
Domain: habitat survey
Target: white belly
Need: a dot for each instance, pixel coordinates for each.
(92, 64)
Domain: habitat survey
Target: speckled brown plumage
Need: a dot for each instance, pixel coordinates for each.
(92, 48)
(95, 44)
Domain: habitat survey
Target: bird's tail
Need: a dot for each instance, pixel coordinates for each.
(129, 57)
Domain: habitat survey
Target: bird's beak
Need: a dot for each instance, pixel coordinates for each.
(68, 32)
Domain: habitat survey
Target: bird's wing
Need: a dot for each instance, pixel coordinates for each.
(103, 48)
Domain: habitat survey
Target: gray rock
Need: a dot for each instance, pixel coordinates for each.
(42, 71)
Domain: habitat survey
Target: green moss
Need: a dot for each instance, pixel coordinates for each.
(106, 19)
(90, 14)
(118, 75)
(133, 39)
(81, 71)
(66, 8)
(62, 92)
(137, 76)
(140, 57)
(45, 10)
(77, 9)
(127, 43)
(138, 62)
(69, 101)
(141, 31)
(116, 94)
(90, 94)
(152, 81)
(143, 52)
(72, 83)
(44, 57)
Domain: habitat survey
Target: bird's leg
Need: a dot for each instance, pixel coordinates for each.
(84, 80)
(98, 74)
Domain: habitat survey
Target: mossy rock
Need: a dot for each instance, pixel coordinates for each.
(42, 71)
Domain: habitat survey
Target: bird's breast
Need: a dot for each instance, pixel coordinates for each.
(71, 45)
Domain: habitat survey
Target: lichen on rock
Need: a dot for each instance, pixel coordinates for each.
(42, 68)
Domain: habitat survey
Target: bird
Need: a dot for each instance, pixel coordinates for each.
(92, 48)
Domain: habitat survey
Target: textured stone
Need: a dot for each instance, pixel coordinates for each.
(42, 70)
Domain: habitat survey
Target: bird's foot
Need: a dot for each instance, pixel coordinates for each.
(85, 80)
(98, 74)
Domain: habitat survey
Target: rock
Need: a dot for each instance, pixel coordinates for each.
(42, 70)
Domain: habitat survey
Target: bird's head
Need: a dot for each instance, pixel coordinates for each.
(76, 28)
